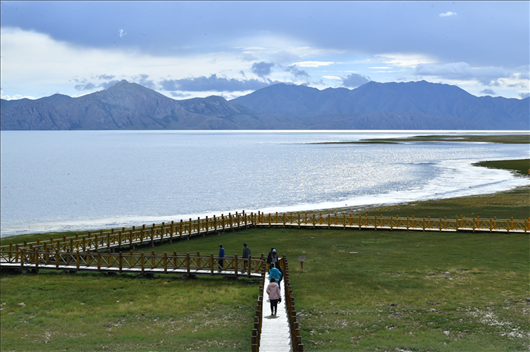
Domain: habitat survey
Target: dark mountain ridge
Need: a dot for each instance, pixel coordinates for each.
(411, 105)
(431, 99)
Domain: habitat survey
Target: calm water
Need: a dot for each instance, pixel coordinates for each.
(74, 180)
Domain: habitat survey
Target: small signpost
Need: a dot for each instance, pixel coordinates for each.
(301, 259)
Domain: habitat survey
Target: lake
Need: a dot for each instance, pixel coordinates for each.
(79, 180)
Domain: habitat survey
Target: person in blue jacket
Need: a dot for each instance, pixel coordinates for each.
(221, 262)
(275, 274)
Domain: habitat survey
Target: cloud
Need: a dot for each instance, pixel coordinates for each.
(524, 95)
(262, 69)
(143, 81)
(284, 56)
(85, 86)
(332, 77)
(212, 83)
(448, 14)
(296, 72)
(122, 33)
(354, 80)
(104, 76)
(487, 76)
(312, 63)
(248, 57)
(488, 92)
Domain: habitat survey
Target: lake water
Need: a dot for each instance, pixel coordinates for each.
(79, 180)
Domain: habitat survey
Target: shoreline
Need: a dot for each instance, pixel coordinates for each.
(328, 210)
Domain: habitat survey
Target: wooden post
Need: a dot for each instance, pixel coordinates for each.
(120, 261)
(249, 264)
(181, 227)
(78, 259)
(165, 263)
(188, 263)
(211, 264)
(236, 266)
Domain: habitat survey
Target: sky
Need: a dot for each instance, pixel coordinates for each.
(196, 49)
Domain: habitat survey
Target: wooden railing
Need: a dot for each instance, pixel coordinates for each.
(191, 264)
(258, 317)
(392, 223)
(120, 238)
(296, 336)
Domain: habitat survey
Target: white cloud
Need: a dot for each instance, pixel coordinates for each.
(17, 97)
(312, 63)
(332, 77)
(122, 33)
(463, 71)
(448, 14)
(405, 60)
(380, 68)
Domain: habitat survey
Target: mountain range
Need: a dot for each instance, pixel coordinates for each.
(401, 106)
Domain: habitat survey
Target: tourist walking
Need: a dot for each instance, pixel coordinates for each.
(246, 254)
(275, 274)
(274, 295)
(221, 261)
(272, 258)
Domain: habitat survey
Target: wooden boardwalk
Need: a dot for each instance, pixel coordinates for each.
(275, 330)
(26, 260)
(334, 221)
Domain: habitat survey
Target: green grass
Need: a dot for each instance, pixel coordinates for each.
(503, 139)
(520, 166)
(381, 298)
(87, 312)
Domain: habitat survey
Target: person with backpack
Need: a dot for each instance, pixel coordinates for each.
(275, 274)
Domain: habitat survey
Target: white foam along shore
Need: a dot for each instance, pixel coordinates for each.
(458, 178)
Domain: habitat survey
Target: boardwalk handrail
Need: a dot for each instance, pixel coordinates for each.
(123, 262)
(296, 336)
(127, 237)
(316, 220)
(258, 317)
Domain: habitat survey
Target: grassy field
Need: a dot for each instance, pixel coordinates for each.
(401, 291)
(502, 139)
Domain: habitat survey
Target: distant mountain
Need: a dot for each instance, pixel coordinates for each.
(428, 99)
(412, 105)
(122, 106)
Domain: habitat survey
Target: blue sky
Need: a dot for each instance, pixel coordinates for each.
(197, 49)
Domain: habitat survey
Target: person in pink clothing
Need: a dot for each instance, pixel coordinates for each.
(273, 290)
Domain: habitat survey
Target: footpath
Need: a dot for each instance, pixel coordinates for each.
(275, 333)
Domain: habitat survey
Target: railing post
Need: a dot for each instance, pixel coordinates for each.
(120, 259)
(188, 263)
(142, 262)
(165, 263)
(249, 265)
(236, 266)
